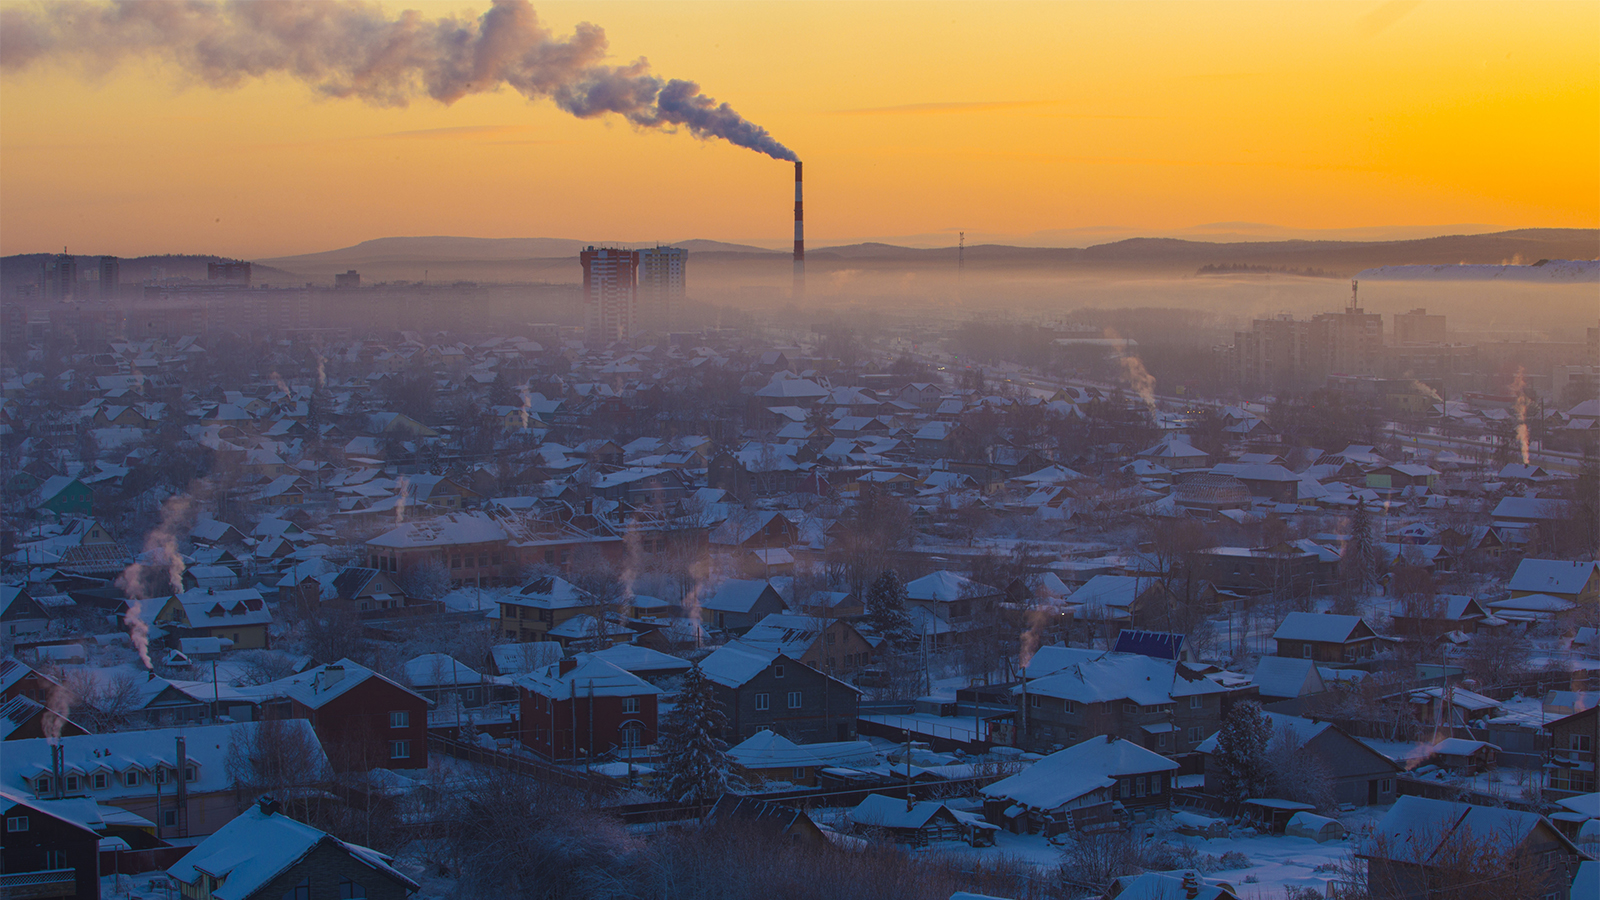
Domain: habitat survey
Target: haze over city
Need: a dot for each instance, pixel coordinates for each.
(999, 451)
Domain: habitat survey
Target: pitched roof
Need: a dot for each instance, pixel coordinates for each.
(1552, 576)
(591, 676)
(255, 847)
(1066, 775)
(1416, 829)
(1305, 626)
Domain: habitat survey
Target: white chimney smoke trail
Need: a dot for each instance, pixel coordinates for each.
(355, 49)
(1519, 387)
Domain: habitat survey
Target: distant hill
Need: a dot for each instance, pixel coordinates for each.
(24, 268)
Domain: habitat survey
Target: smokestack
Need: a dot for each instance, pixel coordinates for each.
(799, 238)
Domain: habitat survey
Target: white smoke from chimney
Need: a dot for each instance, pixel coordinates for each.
(356, 50)
(1139, 378)
(1519, 385)
(58, 704)
(161, 557)
(527, 404)
(402, 489)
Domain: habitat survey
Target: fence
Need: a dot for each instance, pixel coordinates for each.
(587, 782)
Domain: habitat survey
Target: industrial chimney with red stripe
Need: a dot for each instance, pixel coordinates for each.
(799, 238)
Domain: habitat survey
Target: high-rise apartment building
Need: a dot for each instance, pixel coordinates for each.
(60, 278)
(661, 286)
(110, 277)
(610, 294)
(1417, 327)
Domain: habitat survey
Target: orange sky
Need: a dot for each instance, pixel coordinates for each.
(914, 119)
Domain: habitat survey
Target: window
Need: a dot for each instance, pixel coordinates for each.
(1129, 709)
(399, 749)
(455, 562)
(301, 891)
(1386, 786)
(1582, 743)
(1070, 706)
(169, 818)
(350, 890)
(72, 783)
(1140, 786)
(630, 704)
(188, 773)
(43, 784)
(55, 859)
(400, 718)
(99, 781)
(777, 671)
(1194, 735)
(1155, 784)
(1161, 740)
(828, 638)
(1197, 702)
(16, 823)
(1305, 651)
(799, 774)
(763, 701)
(1033, 700)
(794, 699)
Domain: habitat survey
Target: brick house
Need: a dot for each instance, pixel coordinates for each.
(583, 707)
(364, 720)
(1326, 638)
(761, 688)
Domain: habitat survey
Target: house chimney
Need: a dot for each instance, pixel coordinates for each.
(267, 805)
(566, 664)
(331, 675)
(1111, 739)
(183, 787)
(57, 754)
(1191, 886)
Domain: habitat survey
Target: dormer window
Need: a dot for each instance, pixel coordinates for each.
(130, 778)
(99, 781)
(42, 784)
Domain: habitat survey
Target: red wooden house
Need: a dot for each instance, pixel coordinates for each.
(364, 720)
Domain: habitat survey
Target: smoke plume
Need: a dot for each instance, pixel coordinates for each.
(161, 557)
(1143, 383)
(57, 706)
(353, 49)
(1518, 386)
(402, 491)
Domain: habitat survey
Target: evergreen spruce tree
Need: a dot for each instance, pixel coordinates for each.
(1360, 554)
(1241, 754)
(697, 769)
(886, 607)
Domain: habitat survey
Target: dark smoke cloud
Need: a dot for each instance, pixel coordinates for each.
(353, 49)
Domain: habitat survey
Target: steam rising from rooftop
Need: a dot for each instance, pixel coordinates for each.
(355, 49)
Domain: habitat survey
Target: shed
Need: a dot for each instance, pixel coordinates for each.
(1273, 815)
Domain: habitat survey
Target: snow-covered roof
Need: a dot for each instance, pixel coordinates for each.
(766, 750)
(1282, 676)
(1066, 775)
(735, 663)
(945, 586)
(1416, 828)
(1552, 576)
(1097, 676)
(439, 670)
(636, 659)
(1306, 626)
(589, 676)
(256, 846)
(737, 595)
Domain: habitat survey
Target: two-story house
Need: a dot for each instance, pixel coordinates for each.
(540, 605)
(583, 707)
(761, 688)
(828, 645)
(1070, 694)
(363, 720)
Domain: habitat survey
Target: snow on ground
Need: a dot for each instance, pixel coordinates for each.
(1275, 861)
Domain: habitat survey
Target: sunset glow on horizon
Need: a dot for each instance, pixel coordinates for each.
(913, 118)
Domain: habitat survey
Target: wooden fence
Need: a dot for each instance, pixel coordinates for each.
(587, 782)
